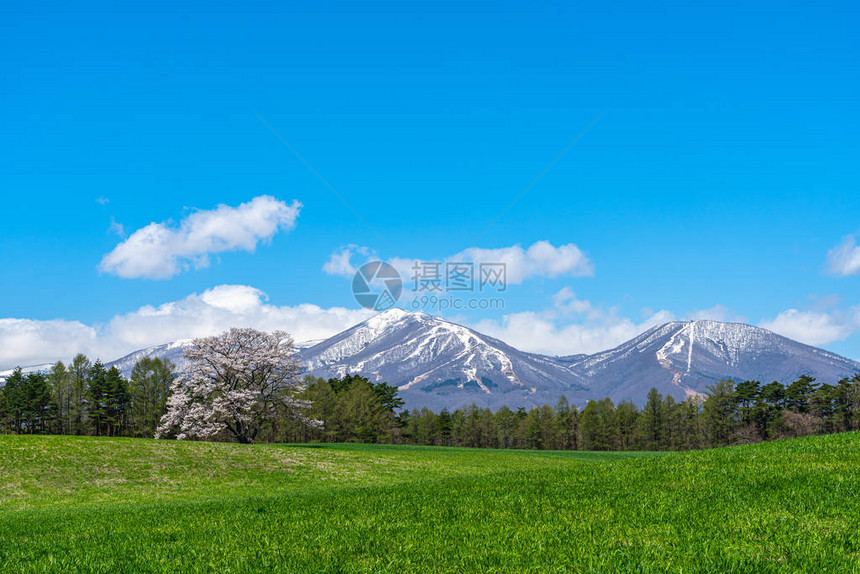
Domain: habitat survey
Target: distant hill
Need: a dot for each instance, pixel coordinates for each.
(437, 364)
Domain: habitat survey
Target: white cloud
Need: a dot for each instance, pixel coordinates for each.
(160, 250)
(541, 259)
(340, 262)
(226, 306)
(117, 227)
(570, 327)
(844, 259)
(814, 327)
(27, 342)
(717, 313)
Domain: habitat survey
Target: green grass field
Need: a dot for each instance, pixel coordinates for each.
(123, 505)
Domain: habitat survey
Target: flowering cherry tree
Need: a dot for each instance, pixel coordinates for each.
(235, 382)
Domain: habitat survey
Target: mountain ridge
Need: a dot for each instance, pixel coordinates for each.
(440, 364)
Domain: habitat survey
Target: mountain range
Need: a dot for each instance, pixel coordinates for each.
(439, 364)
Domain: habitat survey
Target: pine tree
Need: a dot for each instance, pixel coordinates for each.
(323, 408)
(444, 426)
(5, 417)
(424, 427)
(117, 399)
(628, 420)
(60, 380)
(505, 423)
(149, 387)
(671, 415)
(36, 405)
(799, 393)
(718, 412)
(362, 413)
(691, 425)
(843, 406)
(747, 395)
(567, 416)
(598, 425)
(27, 402)
(652, 420)
(79, 370)
(97, 395)
(13, 395)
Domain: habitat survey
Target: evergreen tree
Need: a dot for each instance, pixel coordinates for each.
(60, 381)
(361, 415)
(505, 423)
(149, 387)
(541, 431)
(79, 370)
(36, 405)
(843, 406)
(117, 400)
(387, 395)
(424, 427)
(652, 420)
(768, 410)
(444, 426)
(598, 425)
(718, 413)
(27, 402)
(854, 402)
(323, 408)
(774, 394)
(98, 397)
(799, 393)
(628, 422)
(477, 428)
(671, 424)
(5, 416)
(13, 399)
(567, 416)
(691, 423)
(747, 395)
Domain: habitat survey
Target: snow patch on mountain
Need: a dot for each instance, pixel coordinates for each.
(436, 363)
(26, 370)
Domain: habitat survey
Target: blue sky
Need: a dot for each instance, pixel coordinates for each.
(721, 173)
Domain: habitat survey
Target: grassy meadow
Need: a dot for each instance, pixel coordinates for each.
(77, 504)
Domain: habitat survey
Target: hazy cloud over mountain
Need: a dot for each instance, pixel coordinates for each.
(27, 342)
(541, 259)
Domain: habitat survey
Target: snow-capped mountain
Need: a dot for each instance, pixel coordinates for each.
(437, 364)
(172, 351)
(683, 358)
(26, 370)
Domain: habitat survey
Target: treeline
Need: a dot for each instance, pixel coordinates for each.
(353, 409)
(85, 398)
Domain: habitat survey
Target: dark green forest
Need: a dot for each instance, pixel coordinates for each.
(85, 398)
